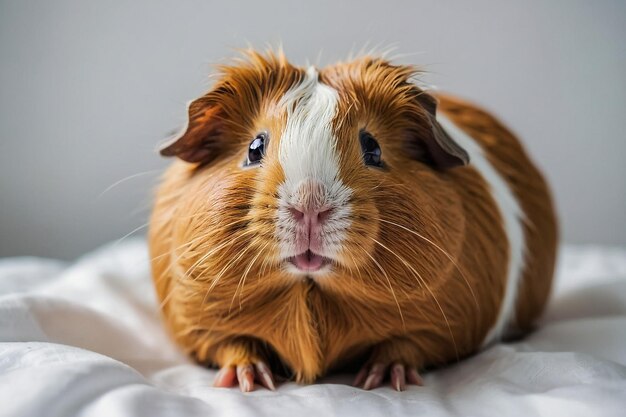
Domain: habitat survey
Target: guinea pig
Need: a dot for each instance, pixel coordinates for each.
(320, 217)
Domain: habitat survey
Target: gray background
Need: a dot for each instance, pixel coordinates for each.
(87, 90)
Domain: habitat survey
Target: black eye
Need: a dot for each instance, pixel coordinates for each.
(256, 150)
(371, 149)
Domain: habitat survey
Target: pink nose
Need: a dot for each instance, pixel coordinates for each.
(310, 218)
(308, 232)
(309, 210)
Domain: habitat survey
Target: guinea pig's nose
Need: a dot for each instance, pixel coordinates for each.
(310, 217)
(308, 205)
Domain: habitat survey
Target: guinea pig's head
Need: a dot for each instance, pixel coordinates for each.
(337, 175)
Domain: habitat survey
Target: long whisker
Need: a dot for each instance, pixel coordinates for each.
(242, 280)
(174, 251)
(263, 266)
(130, 177)
(166, 299)
(204, 257)
(174, 262)
(389, 283)
(135, 230)
(172, 265)
(423, 282)
(225, 269)
(358, 270)
(217, 278)
(456, 265)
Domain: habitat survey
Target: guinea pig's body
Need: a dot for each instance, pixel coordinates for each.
(318, 217)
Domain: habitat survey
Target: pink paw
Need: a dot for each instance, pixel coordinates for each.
(245, 374)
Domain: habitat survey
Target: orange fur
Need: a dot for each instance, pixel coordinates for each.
(421, 274)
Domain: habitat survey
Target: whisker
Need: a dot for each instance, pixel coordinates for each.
(388, 282)
(166, 299)
(225, 269)
(135, 230)
(423, 282)
(456, 265)
(218, 278)
(242, 280)
(204, 257)
(130, 177)
(191, 242)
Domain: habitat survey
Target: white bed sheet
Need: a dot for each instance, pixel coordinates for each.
(85, 339)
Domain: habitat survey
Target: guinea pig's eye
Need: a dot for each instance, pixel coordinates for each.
(371, 149)
(256, 149)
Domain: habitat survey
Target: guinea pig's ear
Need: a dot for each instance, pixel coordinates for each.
(442, 150)
(197, 141)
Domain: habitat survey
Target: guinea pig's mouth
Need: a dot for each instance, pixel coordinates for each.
(309, 261)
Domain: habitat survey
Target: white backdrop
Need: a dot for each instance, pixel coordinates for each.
(87, 90)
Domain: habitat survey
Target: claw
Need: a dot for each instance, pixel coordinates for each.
(375, 376)
(398, 377)
(245, 375)
(360, 377)
(414, 377)
(264, 375)
(370, 377)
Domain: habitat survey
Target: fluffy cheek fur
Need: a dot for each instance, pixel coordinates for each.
(207, 251)
(211, 225)
(406, 223)
(401, 252)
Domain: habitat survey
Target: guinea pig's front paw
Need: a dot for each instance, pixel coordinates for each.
(245, 374)
(241, 364)
(372, 376)
(395, 358)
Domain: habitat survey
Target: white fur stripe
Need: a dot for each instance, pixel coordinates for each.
(512, 216)
(307, 146)
(308, 151)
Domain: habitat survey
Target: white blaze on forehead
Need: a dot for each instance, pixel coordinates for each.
(308, 145)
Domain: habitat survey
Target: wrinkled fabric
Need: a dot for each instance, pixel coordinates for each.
(86, 339)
